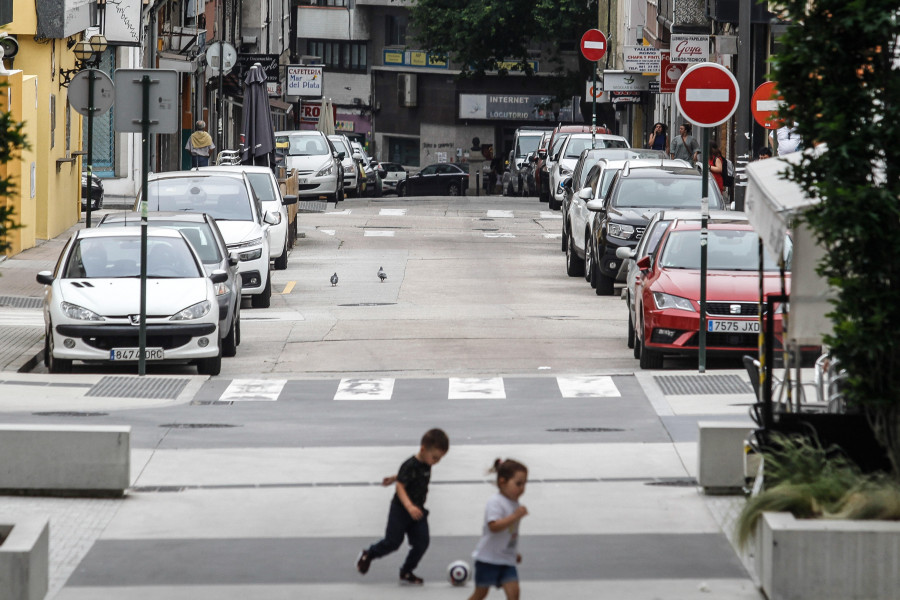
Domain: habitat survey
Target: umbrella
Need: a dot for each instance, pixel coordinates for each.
(257, 129)
(326, 118)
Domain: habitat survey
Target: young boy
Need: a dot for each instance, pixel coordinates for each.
(408, 515)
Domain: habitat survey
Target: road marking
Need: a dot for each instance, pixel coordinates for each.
(587, 387)
(378, 233)
(476, 388)
(553, 236)
(289, 287)
(490, 234)
(500, 214)
(346, 211)
(22, 318)
(365, 389)
(392, 212)
(327, 231)
(253, 390)
(550, 214)
(271, 315)
(706, 95)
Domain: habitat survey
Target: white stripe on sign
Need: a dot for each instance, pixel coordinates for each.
(587, 387)
(768, 105)
(706, 95)
(253, 390)
(476, 388)
(593, 45)
(365, 389)
(378, 233)
(500, 214)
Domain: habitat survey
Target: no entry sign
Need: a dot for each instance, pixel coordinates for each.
(764, 105)
(593, 44)
(707, 94)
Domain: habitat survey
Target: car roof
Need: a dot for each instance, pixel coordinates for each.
(692, 225)
(301, 132)
(123, 231)
(663, 171)
(690, 214)
(234, 173)
(602, 136)
(244, 168)
(119, 217)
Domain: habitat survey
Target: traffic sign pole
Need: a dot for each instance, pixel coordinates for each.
(704, 224)
(593, 48)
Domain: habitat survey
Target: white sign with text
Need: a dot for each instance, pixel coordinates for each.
(689, 48)
(304, 80)
(641, 59)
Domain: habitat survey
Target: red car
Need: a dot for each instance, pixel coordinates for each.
(667, 302)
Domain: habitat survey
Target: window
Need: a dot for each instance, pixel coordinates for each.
(340, 55)
(395, 30)
(404, 151)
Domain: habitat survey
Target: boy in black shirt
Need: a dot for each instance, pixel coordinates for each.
(408, 515)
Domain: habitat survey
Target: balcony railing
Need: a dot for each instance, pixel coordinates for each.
(687, 16)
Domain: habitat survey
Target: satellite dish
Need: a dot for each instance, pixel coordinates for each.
(228, 59)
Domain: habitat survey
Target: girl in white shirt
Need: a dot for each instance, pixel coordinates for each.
(496, 554)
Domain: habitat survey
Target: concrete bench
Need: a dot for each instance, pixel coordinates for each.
(65, 460)
(721, 455)
(24, 559)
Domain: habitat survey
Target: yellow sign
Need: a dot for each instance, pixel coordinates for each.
(417, 58)
(393, 57)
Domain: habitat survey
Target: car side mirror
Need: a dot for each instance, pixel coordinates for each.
(645, 263)
(624, 252)
(357, 156)
(597, 205)
(289, 199)
(45, 277)
(586, 194)
(218, 276)
(271, 218)
(567, 183)
(233, 259)
(339, 155)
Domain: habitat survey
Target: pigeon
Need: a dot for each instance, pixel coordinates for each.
(334, 280)
(381, 274)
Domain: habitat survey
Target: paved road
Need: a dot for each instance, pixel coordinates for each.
(263, 482)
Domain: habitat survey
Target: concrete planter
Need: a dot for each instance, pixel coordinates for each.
(24, 559)
(821, 559)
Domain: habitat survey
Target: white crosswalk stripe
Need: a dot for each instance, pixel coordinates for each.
(365, 389)
(244, 390)
(476, 388)
(392, 212)
(587, 387)
(378, 233)
(550, 214)
(500, 214)
(496, 234)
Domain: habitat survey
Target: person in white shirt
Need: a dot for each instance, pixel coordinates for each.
(788, 139)
(496, 554)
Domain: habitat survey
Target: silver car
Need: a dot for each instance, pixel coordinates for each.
(319, 164)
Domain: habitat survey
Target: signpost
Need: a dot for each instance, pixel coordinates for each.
(765, 103)
(593, 47)
(707, 95)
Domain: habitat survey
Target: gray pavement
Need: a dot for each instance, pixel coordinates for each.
(246, 490)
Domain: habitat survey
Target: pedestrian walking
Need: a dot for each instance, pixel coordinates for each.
(496, 554)
(408, 515)
(685, 146)
(659, 139)
(200, 145)
(716, 165)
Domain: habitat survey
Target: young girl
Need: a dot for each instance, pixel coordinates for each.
(495, 555)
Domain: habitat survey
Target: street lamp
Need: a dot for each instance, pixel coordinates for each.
(87, 54)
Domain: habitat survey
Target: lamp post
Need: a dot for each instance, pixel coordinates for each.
(87, 54)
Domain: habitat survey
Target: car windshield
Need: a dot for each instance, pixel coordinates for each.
(262, 185)
(392, 167)
(301, 145)
(118, 257)
(586, 163)
(663, 192)
(606, 179)
(340, 146)
(527, 144)
(727, 250)
(223, 198)
(200, 235)
(578, 145)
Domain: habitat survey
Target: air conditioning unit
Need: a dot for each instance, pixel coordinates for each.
(407, 86)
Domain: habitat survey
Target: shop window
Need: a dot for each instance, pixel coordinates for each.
(403, 150)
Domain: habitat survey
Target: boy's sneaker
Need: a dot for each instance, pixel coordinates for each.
(363, 562)
(410, 579)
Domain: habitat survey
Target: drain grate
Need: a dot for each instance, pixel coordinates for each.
(160, 388)
(21, 302)
(197, 425)
(684, 385)
(675, 482)
(584, 430)
(69, 413)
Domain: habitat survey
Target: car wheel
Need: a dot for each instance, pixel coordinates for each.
(453, 189)
(281, 261)
(631, 343)
(401, 190)
(237, 326)
(650, 359)
(229, 342)
(554, 205)
(265, 299)
(565, 237)
(292, 234)
(603, 285)
(211, 365)
(588, 260)
(55, 365)
(521, 185)
(574, 265)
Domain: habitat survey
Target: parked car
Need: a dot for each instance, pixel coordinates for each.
(668, 300)
(263, 182)
(557, 138)
(647, 247)
(92, 191)
(568, 155)
(634, 196)
(203, 233)
(319, 164)
(435, 180)
(229, 198)
(370, 165)
(393, 175)
(352, 181)
(526, 142)
(92, 301)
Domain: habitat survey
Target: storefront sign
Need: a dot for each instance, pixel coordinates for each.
(500, 107)
(620, 81)
(123, 22)
(304, 80)
(669, 73)
(414, 58)
(641, 59)
(625, 97)
(689, 48)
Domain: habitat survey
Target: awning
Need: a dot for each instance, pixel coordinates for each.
(771, 203)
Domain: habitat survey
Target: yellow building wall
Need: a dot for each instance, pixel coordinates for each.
(20, 103)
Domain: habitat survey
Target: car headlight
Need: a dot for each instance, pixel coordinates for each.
(247, 244)
(73, 311)
(664, 301)
(192, 312)
(325, 171)
(623, 232)
(348, 168)
(250, 254)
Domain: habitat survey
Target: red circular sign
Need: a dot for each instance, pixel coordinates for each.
(593, 44)
(764, 105)
(707, 94)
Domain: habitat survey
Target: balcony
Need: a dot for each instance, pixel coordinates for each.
(683, 16)
(331, 23)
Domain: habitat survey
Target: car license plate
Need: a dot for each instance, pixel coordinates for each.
(723, 326)
(134, 353)
(302, 180)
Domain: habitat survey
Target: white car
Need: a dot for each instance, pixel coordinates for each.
(568, 155)
(352, 180)
(92, 301)
(318, 163)
(263, 182)
(393, 174)
(229, 198)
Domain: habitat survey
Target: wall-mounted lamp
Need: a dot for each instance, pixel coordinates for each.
(87, 55)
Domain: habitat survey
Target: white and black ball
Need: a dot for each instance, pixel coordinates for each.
(459, 572)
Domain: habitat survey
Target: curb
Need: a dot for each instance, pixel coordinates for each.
(35, 359)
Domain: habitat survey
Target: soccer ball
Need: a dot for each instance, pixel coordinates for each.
(459, 572)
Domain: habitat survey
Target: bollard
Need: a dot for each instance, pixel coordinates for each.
(477, 183)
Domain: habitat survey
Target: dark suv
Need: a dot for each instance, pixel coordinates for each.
(635, 195)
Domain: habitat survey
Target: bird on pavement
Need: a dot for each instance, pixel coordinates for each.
(334, 280)
(381, 274)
